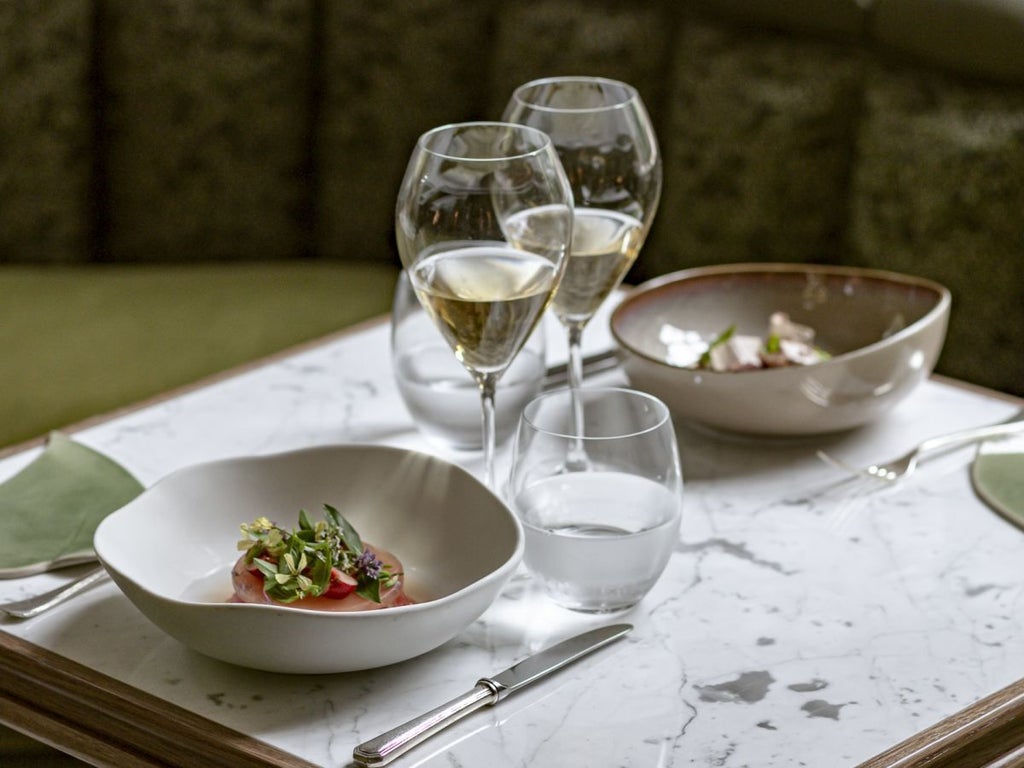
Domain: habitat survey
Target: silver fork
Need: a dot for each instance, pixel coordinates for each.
(901, 467)
(33, 606)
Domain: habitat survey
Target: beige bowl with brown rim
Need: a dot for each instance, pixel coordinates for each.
(883, 330)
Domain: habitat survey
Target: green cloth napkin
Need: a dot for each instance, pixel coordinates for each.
(50, 509)
(999, 480)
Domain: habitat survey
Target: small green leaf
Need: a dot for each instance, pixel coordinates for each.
(349, 536)
(724, 336)
(369, 590)
(268, 569)
(320, 573)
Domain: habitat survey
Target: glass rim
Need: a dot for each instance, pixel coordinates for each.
(542, 142)
(632, 95)
(663, 413)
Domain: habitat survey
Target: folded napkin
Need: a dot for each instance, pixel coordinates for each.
(998, 477)
(50, 509)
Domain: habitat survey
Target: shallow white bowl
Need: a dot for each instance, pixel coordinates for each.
(884, 331)
(171, 550)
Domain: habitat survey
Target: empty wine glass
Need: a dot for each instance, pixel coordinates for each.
(605, 140)
(598, 535)
(483, 224)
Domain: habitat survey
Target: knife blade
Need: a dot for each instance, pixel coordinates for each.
(487, 692)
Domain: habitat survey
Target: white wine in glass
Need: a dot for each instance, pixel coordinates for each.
(439, 393)
(607, 146)
(483, 225)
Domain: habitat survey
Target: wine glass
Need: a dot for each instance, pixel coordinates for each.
(440, 394)
(598, 535)
(483, 224)
(607, 146)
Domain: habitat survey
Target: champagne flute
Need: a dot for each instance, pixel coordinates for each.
(483, 225)
(607, 146)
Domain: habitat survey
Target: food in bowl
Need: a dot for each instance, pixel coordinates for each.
(321, 567)
(786, 343)
(459, 543)
(883, 330)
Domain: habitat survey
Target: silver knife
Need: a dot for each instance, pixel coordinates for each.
(488, 691)
(558, 375)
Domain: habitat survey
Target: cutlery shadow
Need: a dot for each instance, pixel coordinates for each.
(718, 456)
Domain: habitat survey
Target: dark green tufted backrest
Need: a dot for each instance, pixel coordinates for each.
(886, 133)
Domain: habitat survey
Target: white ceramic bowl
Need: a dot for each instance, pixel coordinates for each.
(884, 331)
(171, 550)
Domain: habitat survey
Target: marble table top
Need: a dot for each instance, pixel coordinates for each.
(803, 620)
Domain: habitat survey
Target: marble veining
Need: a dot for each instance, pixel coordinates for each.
(804, 619)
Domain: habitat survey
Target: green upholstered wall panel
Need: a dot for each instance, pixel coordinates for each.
(541, 38)
(938, 192)
(390, 72)
(838, 19)
(758, 149)
(984, 38)
(206, 128)
(45, 131)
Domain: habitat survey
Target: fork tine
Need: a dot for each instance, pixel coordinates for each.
(885, 472)
(901, 467)
(838, 463)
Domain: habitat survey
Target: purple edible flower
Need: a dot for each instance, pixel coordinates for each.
(368, 564)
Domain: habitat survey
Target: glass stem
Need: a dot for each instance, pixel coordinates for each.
(488, 383)
(577, 458)
(575, 355)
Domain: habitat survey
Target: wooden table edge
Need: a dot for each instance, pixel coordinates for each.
(108, 722)
(985, 734)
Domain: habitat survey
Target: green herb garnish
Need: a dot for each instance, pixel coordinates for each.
(724, 336)
(299, 563)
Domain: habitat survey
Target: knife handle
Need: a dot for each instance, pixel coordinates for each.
(386, 747)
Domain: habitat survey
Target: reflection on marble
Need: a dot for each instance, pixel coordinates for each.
(804, 619)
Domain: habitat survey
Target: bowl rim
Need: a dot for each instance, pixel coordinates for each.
(661, 282)
(510, 563)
